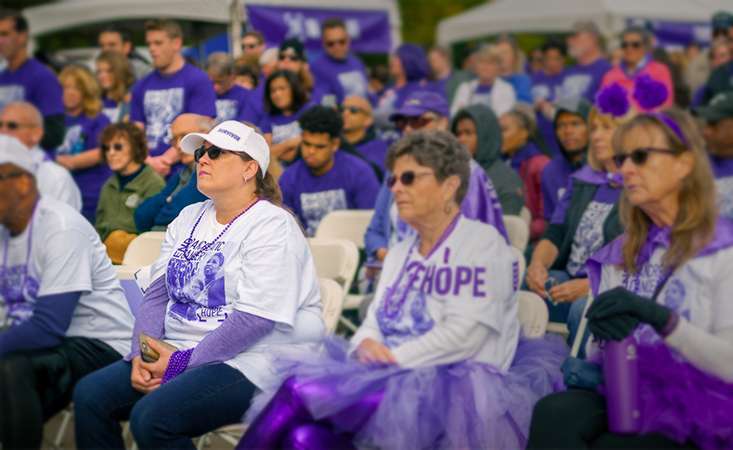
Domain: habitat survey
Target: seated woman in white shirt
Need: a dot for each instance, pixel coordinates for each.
(665, 285)
(234, 287)
(438, 362)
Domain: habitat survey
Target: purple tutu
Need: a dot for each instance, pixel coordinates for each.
(462, 405)
(682, 402)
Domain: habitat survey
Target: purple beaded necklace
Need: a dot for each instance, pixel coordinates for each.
(208, 245)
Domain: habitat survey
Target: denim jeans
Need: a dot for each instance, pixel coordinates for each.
(198, 401)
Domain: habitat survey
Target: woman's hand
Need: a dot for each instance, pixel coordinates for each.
(570, 291)
(157, 368)
(371, 351)
(141, 379)
(536, 277)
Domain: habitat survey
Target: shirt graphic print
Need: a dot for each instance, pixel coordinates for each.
(161, 106)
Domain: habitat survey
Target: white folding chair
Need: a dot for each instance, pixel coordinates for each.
(338, 260)
(533, 314)
(350, 224)
(144, 249)
(526, 215)
(332, 298)
(518, 231)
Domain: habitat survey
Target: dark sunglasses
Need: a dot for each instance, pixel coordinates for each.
(415, 123)
(10, 175)
(288, 57)
(340, 42)
(352, 109)
(631, 44)
(406, 178)
(116, 147)
(640, 155)
(12, 125)
(213, 151)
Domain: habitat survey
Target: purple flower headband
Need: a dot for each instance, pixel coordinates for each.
(613, 100)
(649, 93)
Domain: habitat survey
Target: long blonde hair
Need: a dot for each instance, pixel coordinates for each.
(122, 73)
(91, 93)
(694, 225)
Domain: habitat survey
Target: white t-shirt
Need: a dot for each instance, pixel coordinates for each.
(60, 252)
(473, 275)
(261, 265)
(54, 181)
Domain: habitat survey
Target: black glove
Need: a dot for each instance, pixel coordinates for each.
(616, 313)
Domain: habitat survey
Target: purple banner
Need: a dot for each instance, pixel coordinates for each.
(369, 30)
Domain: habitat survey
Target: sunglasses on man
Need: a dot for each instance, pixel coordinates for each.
(631, 44)
(639, 156)
(407, 178)
(288, 57)
(415, 123)
(335, 42)
(13, 125)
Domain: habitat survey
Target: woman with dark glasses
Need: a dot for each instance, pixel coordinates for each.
(124, 150)
(438, 362)
(663, 290)
(234, 288)
(636, 60)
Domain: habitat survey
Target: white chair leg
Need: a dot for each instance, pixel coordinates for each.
(66, 417)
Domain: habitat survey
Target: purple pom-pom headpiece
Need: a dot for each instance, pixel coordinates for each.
(649, 93)
(613, 100)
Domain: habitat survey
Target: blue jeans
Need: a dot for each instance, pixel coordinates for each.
(198, 401)
(568, 313)
(558, 313)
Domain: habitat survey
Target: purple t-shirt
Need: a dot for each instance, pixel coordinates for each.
(350, 184)
(237, 104)
(82, 133)
(35, 83)
(340, 78)
(285, 127)
(554, 182)
(547, 87)
(585, 80)
(375, 151)
(158, 99)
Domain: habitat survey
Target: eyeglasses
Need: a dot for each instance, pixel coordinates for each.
(12, 125)
(406, 178)
(640, 155)
(335, 42)
(213, 151)
(283, 57)
(10, 175)
(631, 44)
(116, 147)
(415, 123)
(352, 109)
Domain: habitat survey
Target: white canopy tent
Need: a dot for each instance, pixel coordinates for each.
(66, 14)
(552, 16)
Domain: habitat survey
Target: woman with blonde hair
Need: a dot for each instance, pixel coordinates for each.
(114, 74)
(664, 288)
(84, 122)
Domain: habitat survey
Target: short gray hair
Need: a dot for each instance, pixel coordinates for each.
(438, 150)
(220, 63)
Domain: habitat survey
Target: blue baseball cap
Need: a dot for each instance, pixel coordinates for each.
(420, 102)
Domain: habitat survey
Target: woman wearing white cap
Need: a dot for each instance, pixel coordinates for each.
(234, 287)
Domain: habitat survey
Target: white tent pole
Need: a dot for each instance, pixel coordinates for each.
(236, 13)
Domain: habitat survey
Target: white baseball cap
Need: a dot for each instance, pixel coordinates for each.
(235, 137)
(14, 152)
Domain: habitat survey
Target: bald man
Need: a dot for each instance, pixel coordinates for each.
(158, 211)
(24, 122)
(359, 136)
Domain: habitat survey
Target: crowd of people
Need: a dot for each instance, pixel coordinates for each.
(623, 163)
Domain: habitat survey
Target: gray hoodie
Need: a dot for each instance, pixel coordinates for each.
(508, 184)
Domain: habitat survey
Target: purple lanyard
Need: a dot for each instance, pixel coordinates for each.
(393, 287)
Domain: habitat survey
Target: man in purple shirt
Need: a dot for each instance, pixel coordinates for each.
(718, 133)
(27, 79)
(174, 87)
(338, 71)
(585, 78)
(233, 102)
(359, 135)
(325, 179)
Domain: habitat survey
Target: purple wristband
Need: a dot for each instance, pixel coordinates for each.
(177, 364)
(670, 326)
